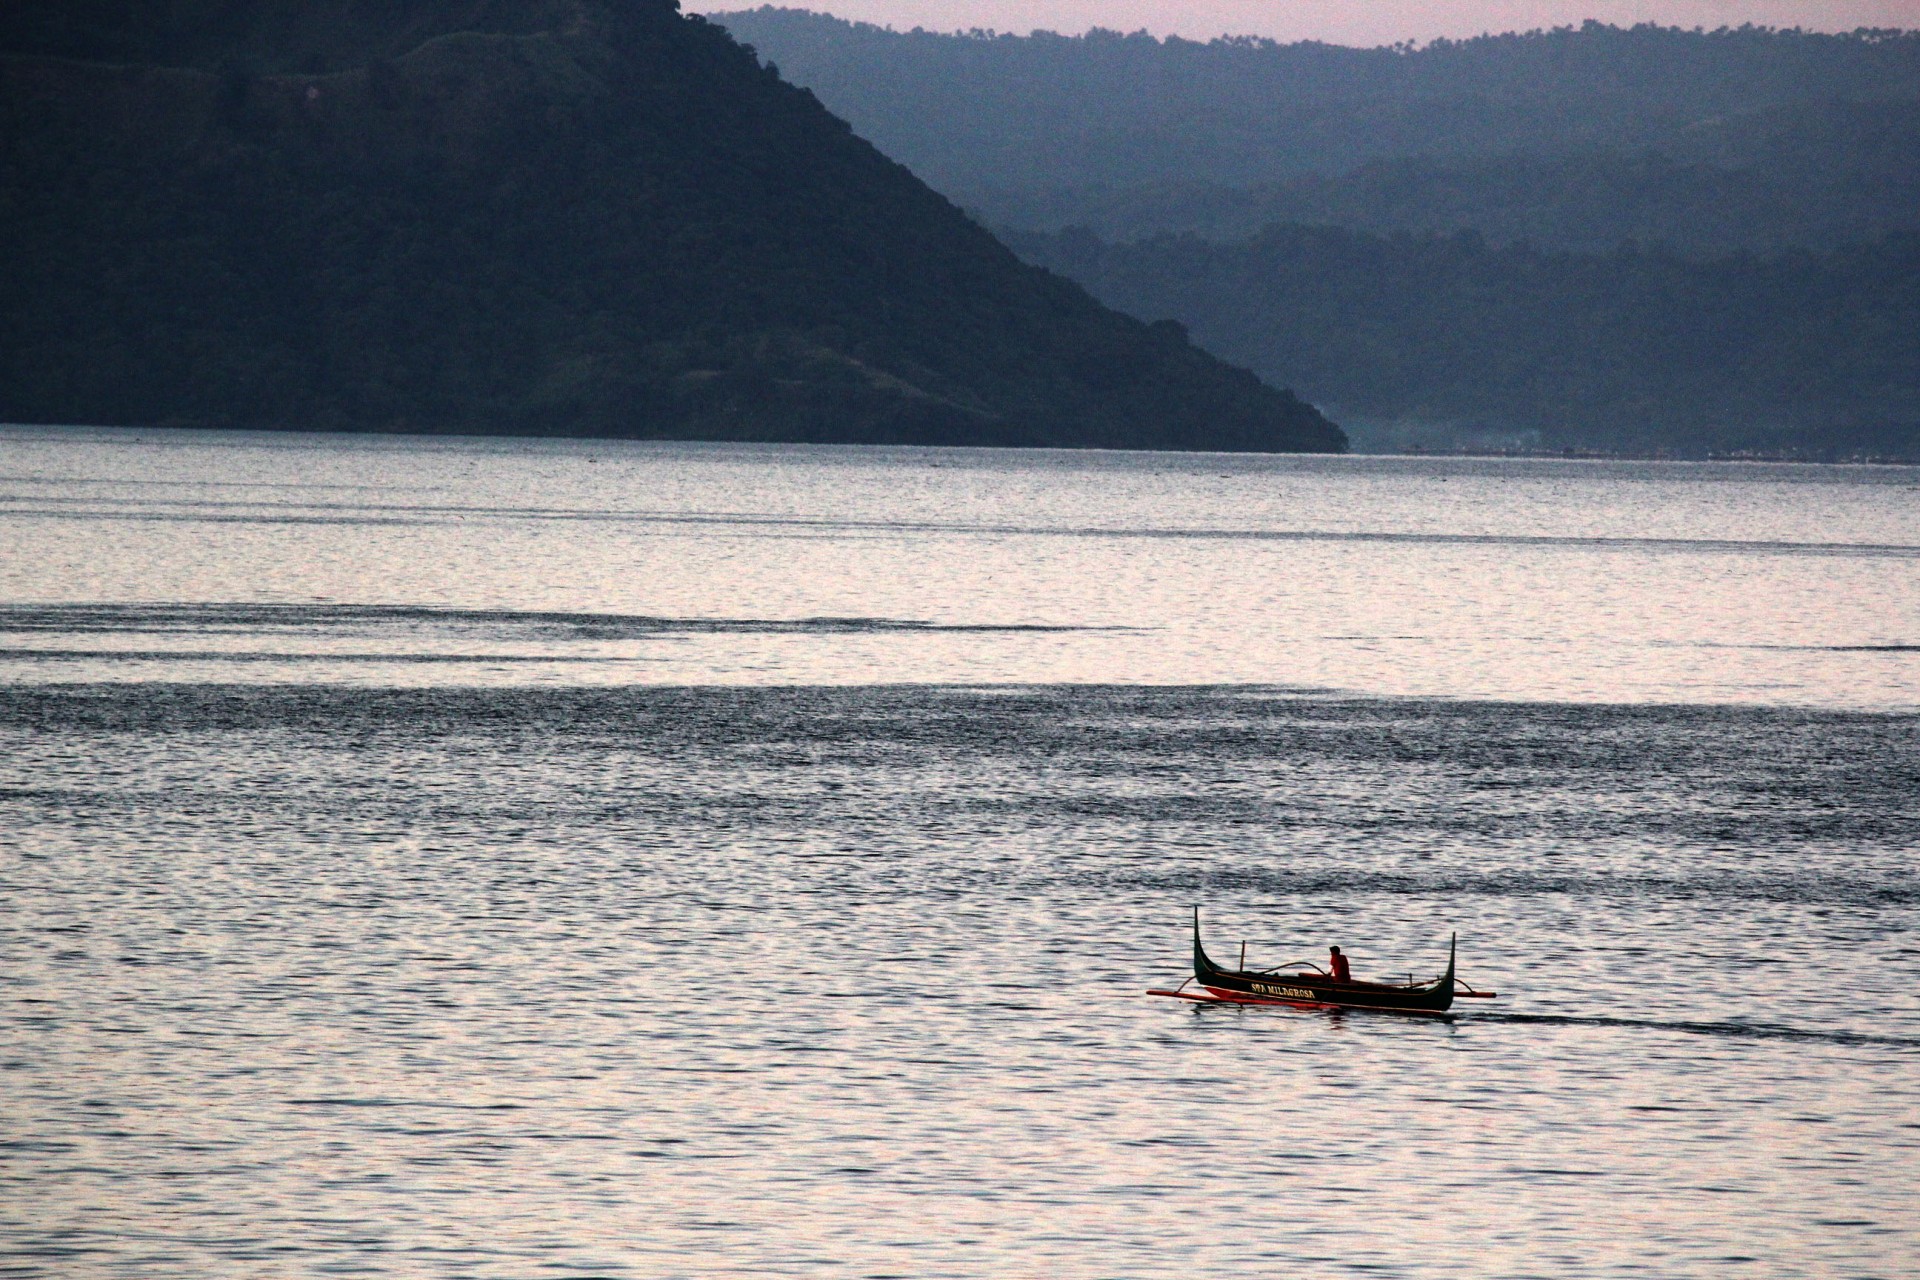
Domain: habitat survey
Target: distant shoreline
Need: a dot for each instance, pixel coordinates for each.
(1603, 455)
(1517, 454)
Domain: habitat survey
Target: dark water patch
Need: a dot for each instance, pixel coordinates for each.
(424, 1104)
(1873, 648)
(236, 655)
(1722, 546)
(1847, 648)
(241, 512)
(1295, 853)
(204, 618)
(1137, 754)
(128, 482)
(1811, 648)
(139, 516)
(1102, 720)
(1141, 753)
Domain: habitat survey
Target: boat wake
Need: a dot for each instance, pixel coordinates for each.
(1730, 1030)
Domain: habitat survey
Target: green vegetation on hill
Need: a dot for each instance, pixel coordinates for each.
(569, 217)
(1816, 354)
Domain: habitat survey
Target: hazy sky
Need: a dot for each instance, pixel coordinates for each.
(1364, 22)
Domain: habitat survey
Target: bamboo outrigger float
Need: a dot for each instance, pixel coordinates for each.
(1303, 985)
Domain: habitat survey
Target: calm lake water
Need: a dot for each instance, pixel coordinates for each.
(571, 859)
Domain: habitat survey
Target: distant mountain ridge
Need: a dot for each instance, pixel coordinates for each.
(568, 217)
(1642, 239)
(965, 107)
(1801, 138)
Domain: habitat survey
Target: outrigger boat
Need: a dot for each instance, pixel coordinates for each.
(1304, 985)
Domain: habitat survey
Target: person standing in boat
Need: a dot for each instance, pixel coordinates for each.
(1337, 966)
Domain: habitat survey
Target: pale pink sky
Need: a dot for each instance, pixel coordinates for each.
(1361, 22)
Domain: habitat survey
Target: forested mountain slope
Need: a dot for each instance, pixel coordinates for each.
(1825, 177)
(560, 216)
(1814, 354)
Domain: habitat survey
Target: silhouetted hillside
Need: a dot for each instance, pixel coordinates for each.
(1809, 353)
(1578, 138)
(567, 217)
